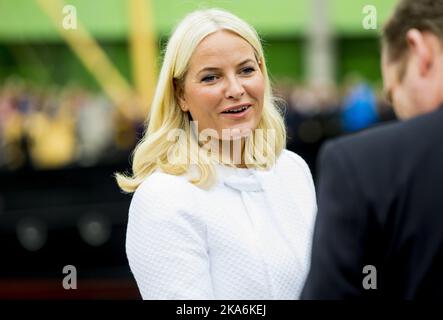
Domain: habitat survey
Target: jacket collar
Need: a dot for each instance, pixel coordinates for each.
(242, 179)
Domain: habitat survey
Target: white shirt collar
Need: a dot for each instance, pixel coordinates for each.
(242, 179)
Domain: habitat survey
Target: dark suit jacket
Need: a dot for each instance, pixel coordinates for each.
(380, 201)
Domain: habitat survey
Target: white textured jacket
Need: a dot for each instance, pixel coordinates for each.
(249, 237)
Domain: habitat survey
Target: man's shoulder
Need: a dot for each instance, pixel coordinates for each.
(385, 132)
(392, 138)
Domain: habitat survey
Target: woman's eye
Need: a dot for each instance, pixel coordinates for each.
(209, 78)
(248, 70)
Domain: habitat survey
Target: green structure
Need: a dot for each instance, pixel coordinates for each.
(31, 48)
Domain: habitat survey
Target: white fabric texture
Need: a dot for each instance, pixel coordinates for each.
(248, 237)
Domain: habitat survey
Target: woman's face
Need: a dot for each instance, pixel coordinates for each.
(223, 74)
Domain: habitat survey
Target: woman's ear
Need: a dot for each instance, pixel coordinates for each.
(260, 64)
(183, 104)
(179, 95)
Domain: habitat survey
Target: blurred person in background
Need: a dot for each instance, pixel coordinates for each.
(379, 197)
(217, 228)
(51, 131)
(14, 109)
(360, 108)
(59, 127)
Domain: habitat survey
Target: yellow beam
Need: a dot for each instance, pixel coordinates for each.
(95, 60)
(143, 50)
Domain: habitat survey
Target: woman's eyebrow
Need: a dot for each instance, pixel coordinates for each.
(216, 69)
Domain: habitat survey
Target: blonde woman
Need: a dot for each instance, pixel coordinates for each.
(229, 219)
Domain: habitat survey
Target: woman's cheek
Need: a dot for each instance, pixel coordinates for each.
(210, 97)
(256, 88)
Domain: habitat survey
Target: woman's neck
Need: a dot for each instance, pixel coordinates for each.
(233, 152)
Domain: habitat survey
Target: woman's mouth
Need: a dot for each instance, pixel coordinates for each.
(238, 112)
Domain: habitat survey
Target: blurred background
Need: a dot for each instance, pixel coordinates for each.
(76, 78)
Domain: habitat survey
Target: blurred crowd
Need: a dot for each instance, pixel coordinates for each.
(314, 114)
(50, 128)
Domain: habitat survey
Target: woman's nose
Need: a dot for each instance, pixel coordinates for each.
(234, 89)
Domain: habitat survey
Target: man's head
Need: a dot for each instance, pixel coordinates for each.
(412, 57)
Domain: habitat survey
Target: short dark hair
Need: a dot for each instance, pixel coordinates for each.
(423, 15)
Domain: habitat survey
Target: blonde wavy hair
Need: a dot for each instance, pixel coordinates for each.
(151, 153)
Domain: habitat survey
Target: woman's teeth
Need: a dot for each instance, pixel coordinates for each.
(236, 110)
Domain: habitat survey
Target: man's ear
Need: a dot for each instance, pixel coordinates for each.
(421, 48)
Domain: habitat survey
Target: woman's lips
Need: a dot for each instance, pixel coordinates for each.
(237, 115)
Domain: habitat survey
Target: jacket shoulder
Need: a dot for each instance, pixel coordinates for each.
(290, 158)
(163, 191)
(395, 137)
(291, 164)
